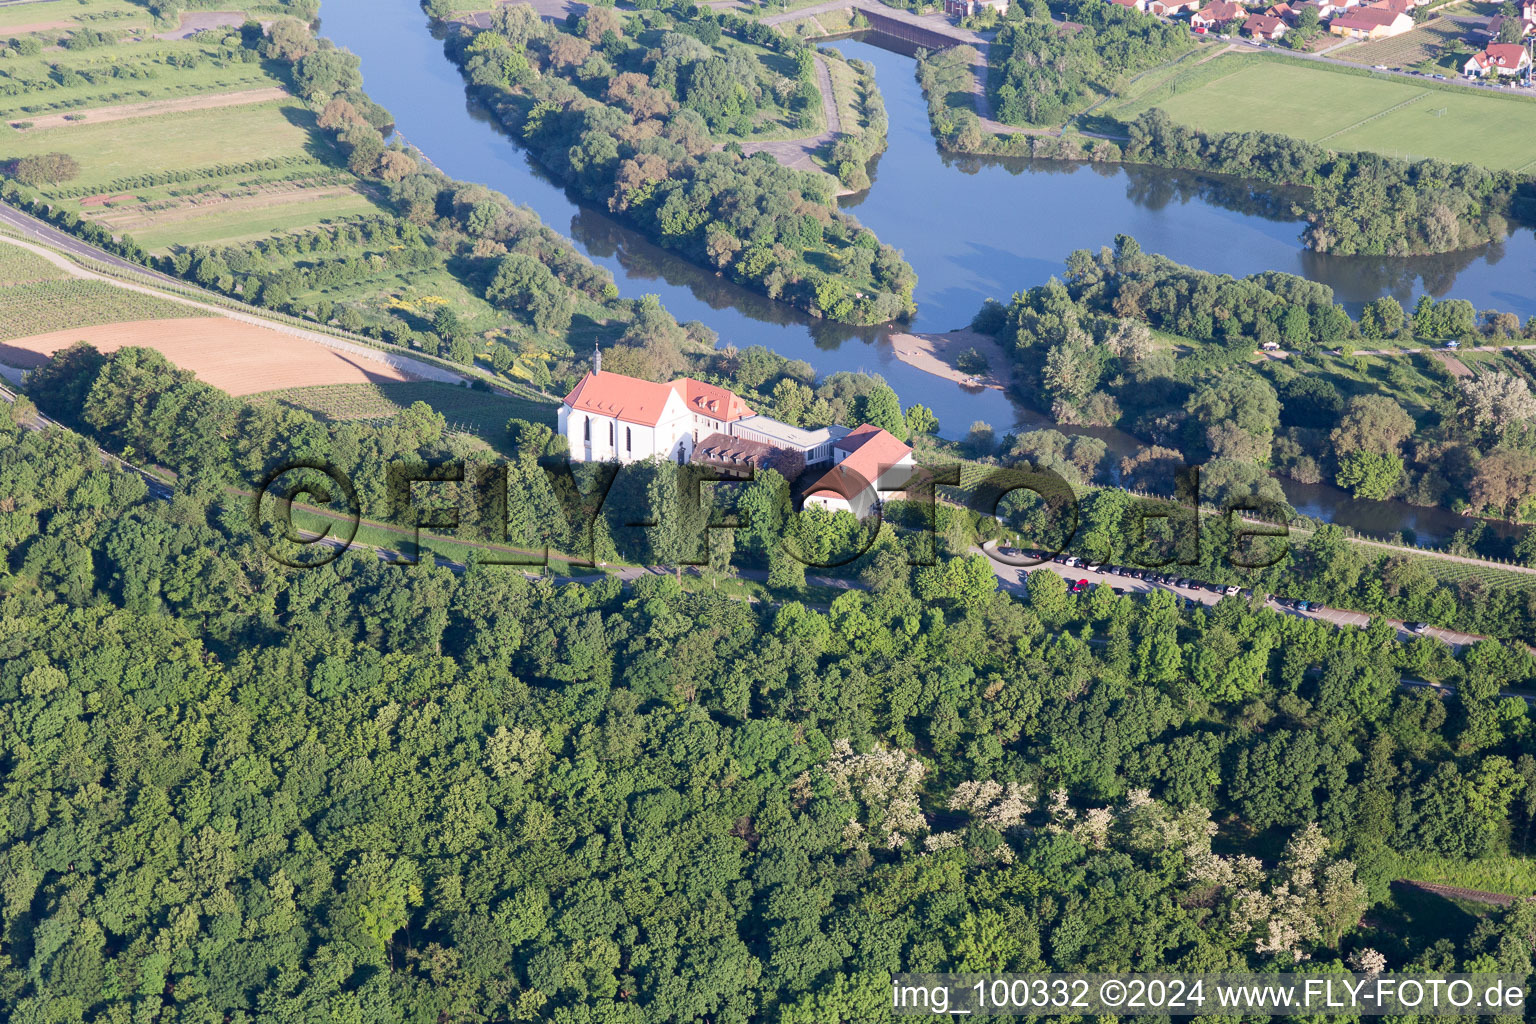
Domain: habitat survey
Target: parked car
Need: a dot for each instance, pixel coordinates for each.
(1093, 566)
(1230, 591)
(1417, 628)
(1453, 344)
(1303, 606)
(1073, 562)
(1079, 586)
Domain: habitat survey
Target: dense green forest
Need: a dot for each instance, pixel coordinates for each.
(1045, 71)
(1167, 352)
(377, 793)
(630, 110)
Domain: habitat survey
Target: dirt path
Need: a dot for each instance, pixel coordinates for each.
(798, 153)
(937, 353)
(123, 112)
(39, 26)
(1454, 365)
(137, 219)
(201, 21)
(1456, 892)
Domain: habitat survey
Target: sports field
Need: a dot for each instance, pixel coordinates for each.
(1349, 111)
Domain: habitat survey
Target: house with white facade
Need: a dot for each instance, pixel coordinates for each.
(611, 417)
(1498, 59)
(868, 466)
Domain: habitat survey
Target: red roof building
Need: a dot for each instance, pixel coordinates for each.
(1264, 26)
(1503, 58)
(865, 462)
(1370, 23)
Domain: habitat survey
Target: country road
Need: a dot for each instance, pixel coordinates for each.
(798, 153)
(53, 237)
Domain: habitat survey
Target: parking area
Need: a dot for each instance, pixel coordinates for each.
(1132, 581)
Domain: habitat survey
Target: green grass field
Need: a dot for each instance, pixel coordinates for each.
(287, 214)
(47, 306)
(1515, 876)
(195, 138)
(95, 13)
(218, 71)
(1348, 111)
(481, 413)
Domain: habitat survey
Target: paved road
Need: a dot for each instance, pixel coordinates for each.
(413, 367)
(798, 153)
(31, 227)
(1013, 579)
(1248, 45)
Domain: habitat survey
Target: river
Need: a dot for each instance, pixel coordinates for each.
(973, 228)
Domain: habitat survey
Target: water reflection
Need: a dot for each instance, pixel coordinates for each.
(973, 228)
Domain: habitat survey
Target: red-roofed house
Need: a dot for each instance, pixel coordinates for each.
(612, 417)
(1216, 15)
(1370, 23)
(865, 463)
(1264, 26)
(1285, 12)
(1527, 24)
(1502, 58)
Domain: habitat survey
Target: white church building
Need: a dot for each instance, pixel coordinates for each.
(611, 417)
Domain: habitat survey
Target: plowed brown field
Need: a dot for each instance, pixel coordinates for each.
(236, 357)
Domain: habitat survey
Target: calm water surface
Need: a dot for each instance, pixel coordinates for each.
(973, 228)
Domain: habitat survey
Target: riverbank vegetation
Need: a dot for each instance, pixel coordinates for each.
(1400, 174)
(631, 110)
(421, 789)
(299, 205)
(1044, 71)
(1339, 399)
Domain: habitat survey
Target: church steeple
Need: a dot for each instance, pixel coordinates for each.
(597, 359)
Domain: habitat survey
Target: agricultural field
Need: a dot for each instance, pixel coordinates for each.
(1431, 45)
(209, 175)
(18, 266)
(44, 15)
(1382, 115)
(234, 356)
(198, 138)
(49, 306)
(481, 413)
(129, 72)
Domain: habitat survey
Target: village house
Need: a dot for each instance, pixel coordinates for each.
(1264, 26)
(1501, 58)
(611, 417)
(866, 463)
(1172, 8)
(1527, 18)
(958, 9)
(1135, 5)
(1285, 12)
(1370, 23)
(1215, 16)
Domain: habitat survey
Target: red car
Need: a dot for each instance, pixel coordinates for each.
(1079, 586)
